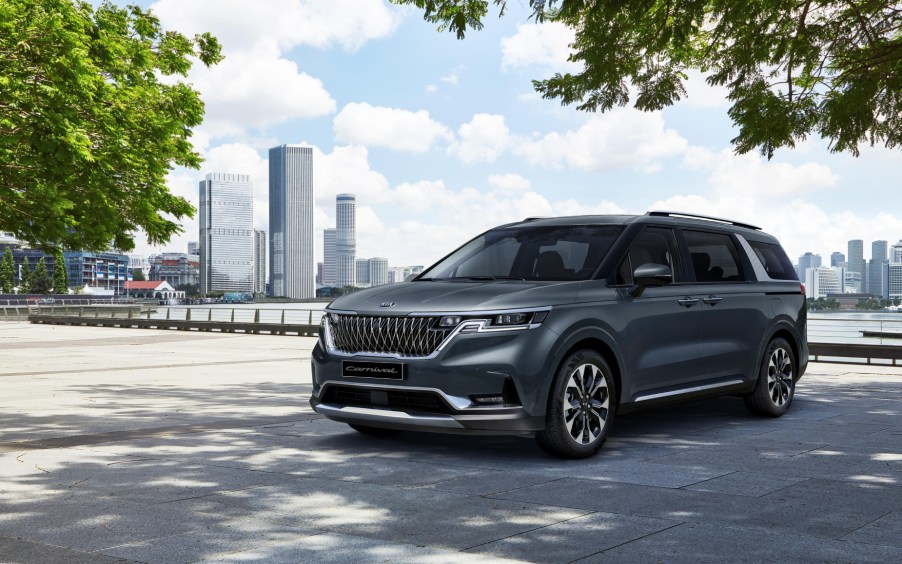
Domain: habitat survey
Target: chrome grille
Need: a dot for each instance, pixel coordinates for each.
(402, 336)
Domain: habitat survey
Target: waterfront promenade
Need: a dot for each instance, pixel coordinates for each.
(122, 445)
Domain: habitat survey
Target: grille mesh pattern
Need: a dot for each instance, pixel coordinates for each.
(404, 336)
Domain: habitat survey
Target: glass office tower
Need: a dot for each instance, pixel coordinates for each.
(226, 233)
(291, 264)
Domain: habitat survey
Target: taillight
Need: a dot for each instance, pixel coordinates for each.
(802, 288)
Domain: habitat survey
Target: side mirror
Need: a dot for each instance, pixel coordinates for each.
(650, 275)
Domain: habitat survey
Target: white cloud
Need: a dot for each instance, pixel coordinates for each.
(431, 89)
(621, 138)
(237, 24)
(509, 183)
(392, 128)
(545, 45)
(346, 169)
(484, 138)
(257, 89)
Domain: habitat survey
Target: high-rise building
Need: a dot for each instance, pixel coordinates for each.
(806, 261)
(820, 281)
(226, 233)
(894, 280)
(857, 264)
(193, 247)
(329, 278)
(259, 261)
(363, 273)
(378, 271)
(895, 252)
(345, 240)
(876, 281)
(837, 259)
(291, 263)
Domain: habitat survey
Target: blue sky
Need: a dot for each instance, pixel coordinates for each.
(441, 139)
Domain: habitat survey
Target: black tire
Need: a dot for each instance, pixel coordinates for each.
(585, 383)
(373, 431)
(776, 381)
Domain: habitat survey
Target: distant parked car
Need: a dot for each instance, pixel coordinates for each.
(549, 327)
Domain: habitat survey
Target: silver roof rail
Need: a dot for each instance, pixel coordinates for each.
(705, 217)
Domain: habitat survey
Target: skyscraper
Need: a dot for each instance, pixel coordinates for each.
(876, 282)
(806, 261)
(259, 262)
(329, 278)
(837, 259)
(857, 264)
(291, 272)
(345, 240)
(895, 254)
(226, 233)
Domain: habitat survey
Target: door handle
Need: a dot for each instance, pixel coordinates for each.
(687, 302)
(713, 300)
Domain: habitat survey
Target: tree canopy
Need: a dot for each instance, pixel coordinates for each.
(92, 117)
(792, 67)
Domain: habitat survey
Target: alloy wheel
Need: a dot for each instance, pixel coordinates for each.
(586, 403)
(779, 376)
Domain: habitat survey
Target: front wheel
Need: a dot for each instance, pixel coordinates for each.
(776, 381)
(580, 408)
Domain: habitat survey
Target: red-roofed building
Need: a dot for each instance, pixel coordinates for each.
(155, 289)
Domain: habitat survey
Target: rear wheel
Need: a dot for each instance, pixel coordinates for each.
(373, 431)
(776, 381)
(580, 408)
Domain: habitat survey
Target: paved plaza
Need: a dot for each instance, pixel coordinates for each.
(120, 445)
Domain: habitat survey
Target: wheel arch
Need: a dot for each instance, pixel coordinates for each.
(781, 329)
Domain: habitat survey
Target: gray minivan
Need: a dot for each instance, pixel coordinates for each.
(548, 327)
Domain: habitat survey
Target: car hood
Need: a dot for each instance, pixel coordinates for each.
(462, 296)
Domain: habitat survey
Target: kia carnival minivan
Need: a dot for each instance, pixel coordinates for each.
(548, 327)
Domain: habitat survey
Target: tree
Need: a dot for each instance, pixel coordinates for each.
(792, 68)
(25, 277)
(60, 274)
(7, 272)
(92, 119)
(40, 279)
(138, 275)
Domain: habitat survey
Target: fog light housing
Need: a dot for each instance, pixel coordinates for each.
(489, 399)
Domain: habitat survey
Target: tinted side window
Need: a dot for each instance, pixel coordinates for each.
(714, 257)
(776, 263)
(653, 245)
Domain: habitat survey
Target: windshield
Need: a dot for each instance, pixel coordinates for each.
(569, 252)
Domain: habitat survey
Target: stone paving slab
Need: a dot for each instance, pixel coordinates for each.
(134, 445)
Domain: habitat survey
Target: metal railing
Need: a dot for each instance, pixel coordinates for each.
(854, 330)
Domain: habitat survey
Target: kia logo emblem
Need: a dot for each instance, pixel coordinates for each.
(387, 304)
